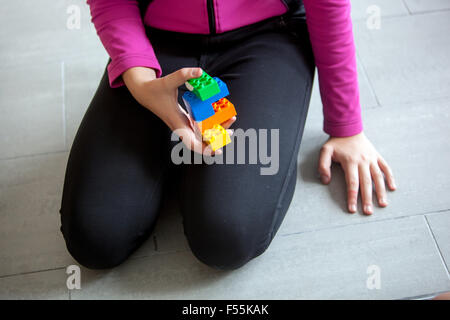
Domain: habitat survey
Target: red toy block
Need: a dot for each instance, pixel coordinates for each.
(224, 110)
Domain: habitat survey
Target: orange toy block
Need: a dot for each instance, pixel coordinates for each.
(224, 110)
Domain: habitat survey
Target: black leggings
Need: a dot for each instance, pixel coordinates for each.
(120, 166)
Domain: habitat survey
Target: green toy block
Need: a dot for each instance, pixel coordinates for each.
(204, 87)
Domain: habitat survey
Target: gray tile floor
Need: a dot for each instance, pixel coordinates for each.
(49, 74)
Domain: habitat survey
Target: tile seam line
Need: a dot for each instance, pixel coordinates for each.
(367, 222)
(420, 13)
(408, 15)
(412, 103)
(366, 75)
(30, 272)
(64, 267)
(418, 102)
(437, 246)
(387, 17)
(283, 235)
(63, 103)
(34, 155)
(406, 7)
(156, 253)
(403, 15)
(309, 231)
(160, 253)
(384, 105)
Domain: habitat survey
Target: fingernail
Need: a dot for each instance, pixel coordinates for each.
(394, 185)
(195, 72)
(352, 208)
(324, 179)
(368, 209)
(383, 201)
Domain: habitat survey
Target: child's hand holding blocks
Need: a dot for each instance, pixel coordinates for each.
(204, 87)
(207, 105)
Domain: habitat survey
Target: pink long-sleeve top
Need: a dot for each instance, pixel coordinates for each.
(121, 30)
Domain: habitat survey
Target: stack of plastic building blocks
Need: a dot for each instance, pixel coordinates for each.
(207, 105)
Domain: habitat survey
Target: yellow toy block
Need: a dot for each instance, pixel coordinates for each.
(216, 137)
(224, 110)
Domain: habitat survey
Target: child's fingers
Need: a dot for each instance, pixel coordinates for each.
(387, 173)
(352, 181)
(325, 164)
(207, 150)
(380, 189)
(179, 77)
(365, 182)
(228, 123)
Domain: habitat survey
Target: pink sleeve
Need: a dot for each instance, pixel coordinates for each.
(330, 29)
(121, 30)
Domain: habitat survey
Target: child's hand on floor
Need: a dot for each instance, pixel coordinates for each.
(362, 164)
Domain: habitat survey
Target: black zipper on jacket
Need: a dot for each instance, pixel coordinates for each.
(211, 16)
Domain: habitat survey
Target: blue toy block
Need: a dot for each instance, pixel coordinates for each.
(201, 110)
